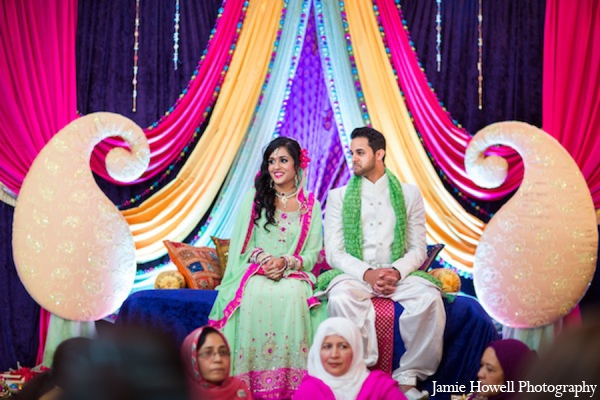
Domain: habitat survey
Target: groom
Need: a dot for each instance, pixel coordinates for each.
(375, 234)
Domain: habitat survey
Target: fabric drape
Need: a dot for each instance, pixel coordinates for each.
(173, 211)
(447, 221)
(443, 138)
(572, 83)
(269, 111)
(101, 81)
(37, 77)
(309, 119)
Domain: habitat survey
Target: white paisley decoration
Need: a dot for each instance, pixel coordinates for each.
(73, 249)
(537, 256)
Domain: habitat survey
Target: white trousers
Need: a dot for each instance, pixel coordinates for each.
(421, 324)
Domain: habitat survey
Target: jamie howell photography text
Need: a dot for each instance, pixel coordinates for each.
(580, 390)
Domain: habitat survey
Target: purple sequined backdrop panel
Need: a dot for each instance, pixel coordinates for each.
(309, 119)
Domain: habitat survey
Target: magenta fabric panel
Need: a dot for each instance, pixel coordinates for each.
(445, 141)
(43, 334)
(571, 83)
(172, 133)
(37, 77)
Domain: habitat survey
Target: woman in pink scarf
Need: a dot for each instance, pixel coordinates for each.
(337, 370)
(207, 359)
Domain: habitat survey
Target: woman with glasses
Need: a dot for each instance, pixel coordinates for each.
(207, 359)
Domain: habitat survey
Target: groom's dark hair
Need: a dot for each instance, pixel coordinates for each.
(375, 138)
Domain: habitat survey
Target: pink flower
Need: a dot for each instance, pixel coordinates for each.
(304, 159)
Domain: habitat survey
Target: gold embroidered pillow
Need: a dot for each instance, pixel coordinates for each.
(169, 280)
(198, 265)
(222, 251)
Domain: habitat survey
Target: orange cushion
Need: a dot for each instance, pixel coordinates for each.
(198, 265)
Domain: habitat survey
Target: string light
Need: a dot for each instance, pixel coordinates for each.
(176, 37)
(438, 35)
(480, 60)
(136, 46)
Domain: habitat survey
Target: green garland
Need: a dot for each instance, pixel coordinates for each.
(351, 216)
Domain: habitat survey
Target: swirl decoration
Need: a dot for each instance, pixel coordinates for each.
(73, 249)
(537, 256)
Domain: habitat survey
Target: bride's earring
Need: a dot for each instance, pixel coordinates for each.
(297, 179)
(271, 183)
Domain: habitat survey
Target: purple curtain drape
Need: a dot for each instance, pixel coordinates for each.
(20, 314)
(572, 83)
(174, 132)
(105, 54)
(309, 119)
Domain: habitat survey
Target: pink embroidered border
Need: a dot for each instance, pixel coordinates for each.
(237, 299)
(305, 220)
(280, 383)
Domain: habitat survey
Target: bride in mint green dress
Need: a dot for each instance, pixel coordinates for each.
(265, 305)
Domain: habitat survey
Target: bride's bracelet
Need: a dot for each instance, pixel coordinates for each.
(259, 256)
(292, 262)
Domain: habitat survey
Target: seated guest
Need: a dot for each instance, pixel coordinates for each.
(49, 385)
(337, 369)
(503, 361)
(207, 360)
(263, 301)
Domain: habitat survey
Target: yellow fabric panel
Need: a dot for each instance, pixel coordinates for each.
(174, 211)
(447, 221)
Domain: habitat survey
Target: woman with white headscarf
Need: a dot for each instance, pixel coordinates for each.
(337, 370)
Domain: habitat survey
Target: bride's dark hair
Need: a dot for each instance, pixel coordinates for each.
(265, 194)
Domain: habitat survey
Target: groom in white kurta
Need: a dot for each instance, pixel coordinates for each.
(377, 274)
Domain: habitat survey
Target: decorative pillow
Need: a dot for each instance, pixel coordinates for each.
(222, 251)
(432, 252)
(449, 278)
(198, 265)
(169, 280)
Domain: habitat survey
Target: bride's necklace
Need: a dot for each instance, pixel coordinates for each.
(283, 197)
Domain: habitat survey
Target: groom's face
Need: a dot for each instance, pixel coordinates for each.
(363, 158)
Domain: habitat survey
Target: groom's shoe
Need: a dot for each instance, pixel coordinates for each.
(414, 394)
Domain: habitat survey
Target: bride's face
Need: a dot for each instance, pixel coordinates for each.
(282, 169)
(336, 355)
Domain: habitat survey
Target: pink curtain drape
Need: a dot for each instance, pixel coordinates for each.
(39, 96)
(37, 77)
(571, 83)
(442, 138)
